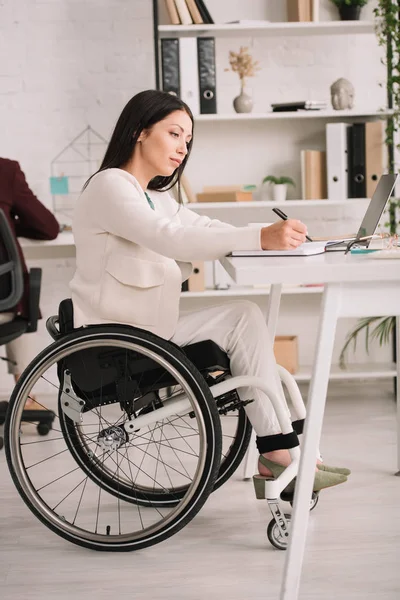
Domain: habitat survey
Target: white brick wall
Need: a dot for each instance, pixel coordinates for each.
(65, 64)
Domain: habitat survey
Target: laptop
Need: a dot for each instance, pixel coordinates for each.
(372, 216)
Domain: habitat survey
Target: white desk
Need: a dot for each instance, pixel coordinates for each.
(62, 247)
(355, 286)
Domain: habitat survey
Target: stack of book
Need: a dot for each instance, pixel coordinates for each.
(301, 105)
(187, 12)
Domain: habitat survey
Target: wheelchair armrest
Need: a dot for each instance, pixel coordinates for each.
(35, 279)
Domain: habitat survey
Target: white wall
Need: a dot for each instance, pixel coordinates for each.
(65, 64)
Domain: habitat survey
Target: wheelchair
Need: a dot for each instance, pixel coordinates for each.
(144, 431)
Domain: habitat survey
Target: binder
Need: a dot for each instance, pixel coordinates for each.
(170, 65)
(189, 75)
(374, 141)
(336, 161)
(356, 147)
(207, 75)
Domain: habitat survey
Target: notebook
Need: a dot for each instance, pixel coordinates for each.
(306, 249)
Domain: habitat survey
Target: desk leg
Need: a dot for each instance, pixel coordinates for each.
(398, 391)
(274, 300)
(313, 425)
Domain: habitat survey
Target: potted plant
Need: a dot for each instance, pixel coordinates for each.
(349, 10)
(245, 66)
(388, 33)
(279, 186)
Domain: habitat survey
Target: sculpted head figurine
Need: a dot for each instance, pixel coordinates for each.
(342, 94)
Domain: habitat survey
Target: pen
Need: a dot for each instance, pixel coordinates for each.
(282, 215)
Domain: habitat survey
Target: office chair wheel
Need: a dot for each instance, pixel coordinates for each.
(116, 372)
(43, 428)
(278, 539)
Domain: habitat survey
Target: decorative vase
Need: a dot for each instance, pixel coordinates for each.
(243, 103)
(280, 190)
(349, 13)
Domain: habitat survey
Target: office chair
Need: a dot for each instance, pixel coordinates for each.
(11, 290)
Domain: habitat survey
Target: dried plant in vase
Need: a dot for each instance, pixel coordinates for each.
(245, 66)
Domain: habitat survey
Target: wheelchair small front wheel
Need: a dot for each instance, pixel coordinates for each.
(92, 482)
(278, 539)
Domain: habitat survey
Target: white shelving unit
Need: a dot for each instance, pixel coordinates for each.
(268, 28)
(299, 114)
(281, 29)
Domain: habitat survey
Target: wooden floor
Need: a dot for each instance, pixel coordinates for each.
(353, 550)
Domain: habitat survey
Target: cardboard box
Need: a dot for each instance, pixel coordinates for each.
(225, 196)
(286, 352)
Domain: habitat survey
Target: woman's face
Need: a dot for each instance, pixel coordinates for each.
(164, 146)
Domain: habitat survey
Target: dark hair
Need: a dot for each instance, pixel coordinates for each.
(142, 112)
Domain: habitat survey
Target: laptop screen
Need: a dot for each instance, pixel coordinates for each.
(377, 205)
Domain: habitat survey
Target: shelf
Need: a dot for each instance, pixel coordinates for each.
(271, 29)
(249, 291)
(199, 206)
(302, 114)
(360, 371)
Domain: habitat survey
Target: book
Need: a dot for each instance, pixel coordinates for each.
(183, 12)
(205, 15)
(298, 10)
(306, 249)
(301, 105)
(315, 10)
(194, 12)
(313, 174)
(172, 12)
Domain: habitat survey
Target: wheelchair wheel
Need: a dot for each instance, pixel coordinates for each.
(94, 478)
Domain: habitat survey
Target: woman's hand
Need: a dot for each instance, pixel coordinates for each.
(283, 235)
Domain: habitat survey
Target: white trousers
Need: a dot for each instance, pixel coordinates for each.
(240, 329)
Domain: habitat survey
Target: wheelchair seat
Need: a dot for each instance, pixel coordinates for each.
(206, 355)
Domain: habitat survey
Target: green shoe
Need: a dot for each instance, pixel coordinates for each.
(340, 470)
(323, 479)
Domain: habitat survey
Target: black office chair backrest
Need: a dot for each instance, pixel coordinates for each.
(11, 276)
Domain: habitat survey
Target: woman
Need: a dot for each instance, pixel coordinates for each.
(134, 246)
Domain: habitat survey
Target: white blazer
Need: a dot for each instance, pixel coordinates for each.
(131, 260)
